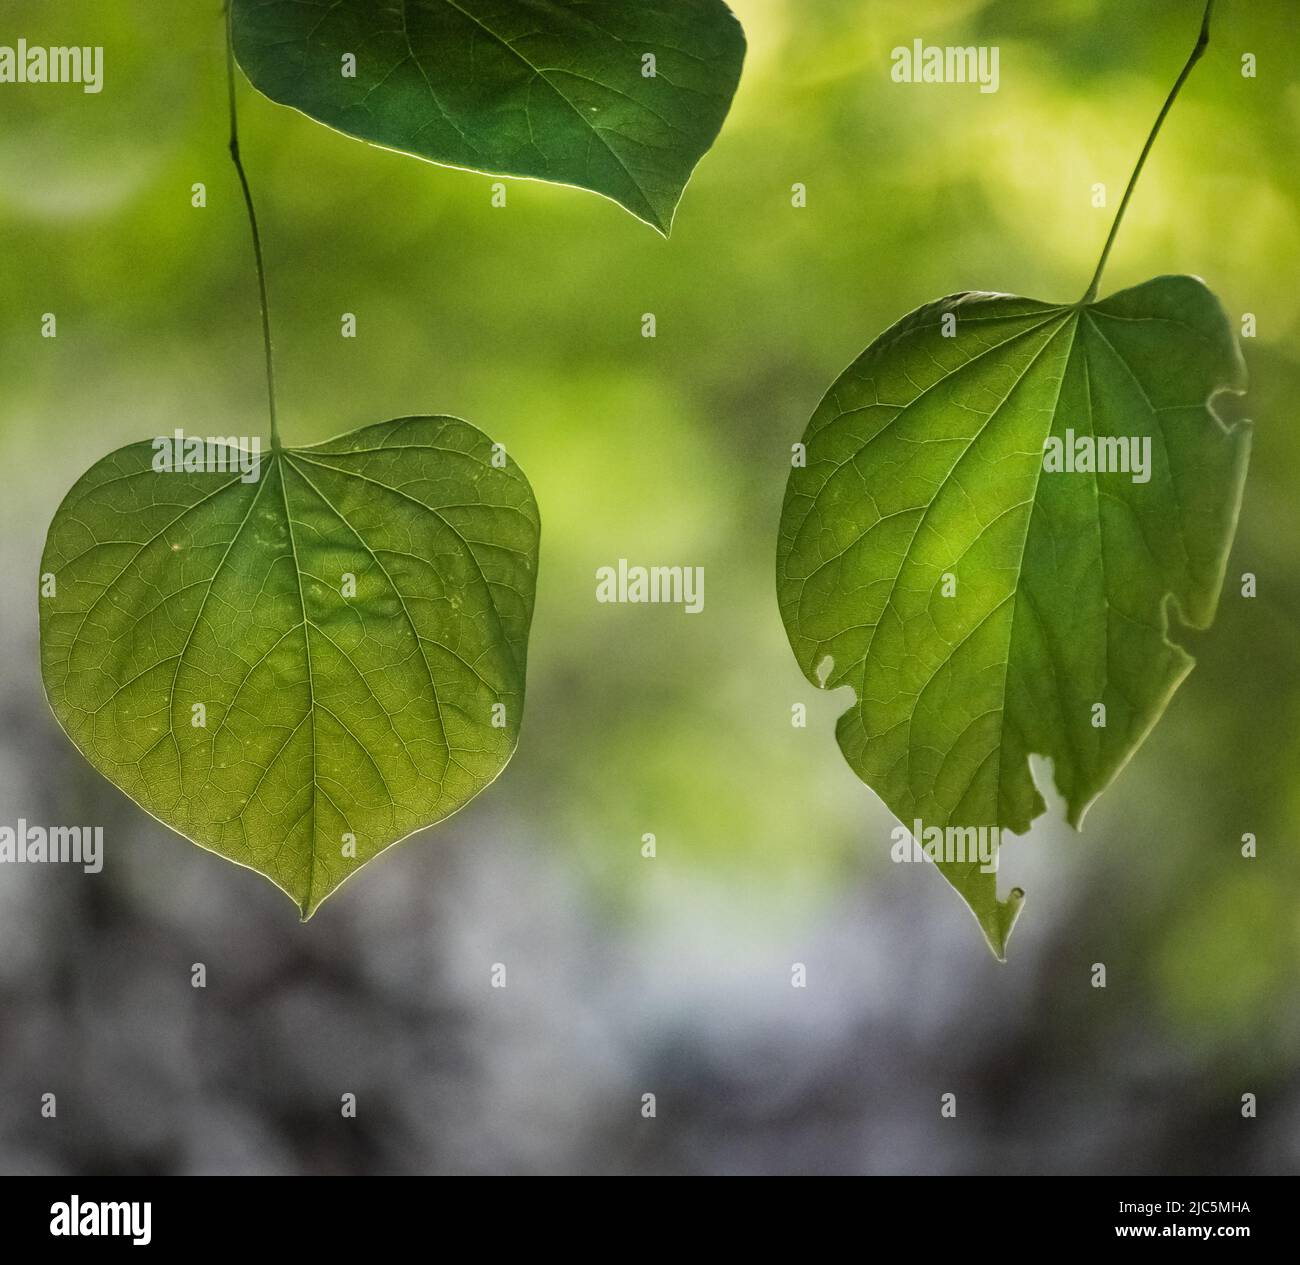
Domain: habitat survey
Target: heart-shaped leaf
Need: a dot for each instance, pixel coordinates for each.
(622, 97)
(989, 596)
(298, 670)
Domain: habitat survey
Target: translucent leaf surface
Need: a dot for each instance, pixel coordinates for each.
(982, 606)
(296, 671)
(622, 97)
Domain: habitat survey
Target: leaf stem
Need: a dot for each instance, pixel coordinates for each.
(1201, 41)
(252, 223)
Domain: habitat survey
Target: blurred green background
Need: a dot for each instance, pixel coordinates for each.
(628, 975)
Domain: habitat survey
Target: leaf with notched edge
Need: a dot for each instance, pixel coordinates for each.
(334, 710)
(926, 460)
(552, 90)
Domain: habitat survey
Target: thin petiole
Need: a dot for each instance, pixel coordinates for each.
(1201, 41)
(252, 222)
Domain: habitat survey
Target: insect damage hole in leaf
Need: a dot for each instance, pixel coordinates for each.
(619, 97)
(297, 659)
(1002, 500)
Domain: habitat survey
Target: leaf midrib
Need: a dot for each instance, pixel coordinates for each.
(993, 414)
(286, 457)
(651, 216)
(311, 688)
(1073, 315)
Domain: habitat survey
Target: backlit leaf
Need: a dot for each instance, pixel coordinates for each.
(981, 606)
(622, 97)
(350, 627)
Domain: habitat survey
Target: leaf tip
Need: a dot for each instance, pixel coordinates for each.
(663, 225)
(997, 925)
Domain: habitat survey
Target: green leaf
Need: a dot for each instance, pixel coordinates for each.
(927, 459)
(548, 89)
(328, 715)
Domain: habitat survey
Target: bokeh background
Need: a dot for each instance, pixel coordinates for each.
(625, 975)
